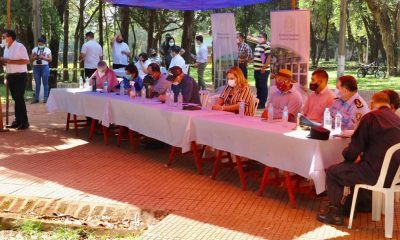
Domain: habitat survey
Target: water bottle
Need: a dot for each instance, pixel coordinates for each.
(270, 113)
(241, 108)
(121, 88)
(209, 104)
(143, 94)
(168, 97)
(327, 119)
(180, 100)
(132, 93)
(81, 82)
(285, 116)
(94, 87)
(86, 82)
(105, 86)
(338, 123)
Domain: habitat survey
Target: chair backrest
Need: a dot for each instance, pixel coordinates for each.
(204, 95)
(256, 101)
(385, 166)
(185, 69)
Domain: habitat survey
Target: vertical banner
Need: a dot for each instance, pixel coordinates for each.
(225, 50)
(290, 44)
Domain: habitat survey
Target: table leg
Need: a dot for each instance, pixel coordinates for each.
(68, 121)
(132, 140)
(105, 134)
(91, 131)
(264, 180)
(76, 125)
(120, 135)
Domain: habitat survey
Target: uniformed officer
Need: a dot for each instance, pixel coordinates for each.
(349, 103)
(363, 158)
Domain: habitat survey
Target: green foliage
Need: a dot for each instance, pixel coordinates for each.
(51, 24)
(30, 227)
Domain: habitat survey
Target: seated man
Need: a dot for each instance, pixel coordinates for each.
(182, 83)
(349, 103)
(102, 74)
(320, 98)
(177, 59)
(394, 100)
(363, 158)
(284, 95)
(161, 84)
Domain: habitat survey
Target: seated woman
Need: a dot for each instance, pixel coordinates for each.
(102, 74)
(132, 74)
(237, 89)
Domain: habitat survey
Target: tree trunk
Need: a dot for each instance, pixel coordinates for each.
(100, 24)
(66, 43)
(81, 30)
(380, 12)
(124, 13)
(150, 31)
(187, 35)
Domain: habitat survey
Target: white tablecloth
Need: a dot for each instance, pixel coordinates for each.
(271, 144)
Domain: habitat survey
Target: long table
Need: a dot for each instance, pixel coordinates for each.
(269, 143)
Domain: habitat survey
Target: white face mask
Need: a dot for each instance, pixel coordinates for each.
(171, 44)
(101, 74)
(175, 83)
(232, 83)
(3, 43)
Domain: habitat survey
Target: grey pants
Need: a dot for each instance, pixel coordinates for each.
(200, 73)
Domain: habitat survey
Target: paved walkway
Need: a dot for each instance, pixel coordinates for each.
(49, 163)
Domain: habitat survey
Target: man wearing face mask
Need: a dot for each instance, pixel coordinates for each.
(120, 52)
(41, 56)
(262, 59)
(91, 54)
(245, 54)
(182, 83)
(161, 84)
(15, 60)
(284, 95)
(104, 73)
(349, 103)
(320, 98)
(177, 59)
(154, 58)
(164, 47)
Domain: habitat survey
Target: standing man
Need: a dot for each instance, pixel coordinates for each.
(41, 57)
(91, 54)
(201, 61)
(245, 54)
(262, 59)
(177, 59)
(120, 52)
(15, 60)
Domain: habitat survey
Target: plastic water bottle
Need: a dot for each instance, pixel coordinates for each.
(209, 104)
(285, 116)
(132, 93)
(94, 85)
(241, 108)
(105, 86)
(327, 119)
(81, 82)
(143, 94)
(121, 88)
(86, 83)
(270, 113)
(338, 123)
(180, 100)
(168, 97)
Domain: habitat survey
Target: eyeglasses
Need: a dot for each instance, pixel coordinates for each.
(282, 80)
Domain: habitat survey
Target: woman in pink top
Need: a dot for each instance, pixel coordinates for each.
(102, 74)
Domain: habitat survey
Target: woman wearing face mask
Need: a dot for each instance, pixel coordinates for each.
(237, 90)
(104, 73)
(41, 57)
(168, 56)
(132, 75)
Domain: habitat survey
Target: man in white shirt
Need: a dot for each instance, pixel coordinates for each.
(91, 54)
(201, 61)
(320, 98)
(41, 57)
(120, 52)
(142, 65)
(177, 59)
(15, 60)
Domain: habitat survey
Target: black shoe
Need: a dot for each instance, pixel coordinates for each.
(35, 101)
(331, 215)
(13, 125)
(23, 126)
(45, 101)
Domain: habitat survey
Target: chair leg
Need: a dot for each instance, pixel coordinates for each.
(76, 125)
(376, 205)
(288, 182)
(68, 121)
(105, 134)
(132, 140)
(264, 180)
(241, 172)
(92, 126)
(389, 205)
(197, 158)
(120, 135)
(353, 206)
(216, 164)
(171, 156)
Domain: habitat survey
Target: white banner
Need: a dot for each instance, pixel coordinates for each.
(290, 43)
(225, 50)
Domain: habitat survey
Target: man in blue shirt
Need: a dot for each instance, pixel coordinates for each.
(182, 83)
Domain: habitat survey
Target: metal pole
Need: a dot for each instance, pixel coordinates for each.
(342, 38)
(7, 89)
(366, 52)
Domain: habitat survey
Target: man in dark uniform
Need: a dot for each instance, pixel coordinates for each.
(363, 158)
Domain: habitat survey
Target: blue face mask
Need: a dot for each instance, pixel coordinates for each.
(128, 77)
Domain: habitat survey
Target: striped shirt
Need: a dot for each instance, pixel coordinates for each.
(261, 53)
(233, 96)
(245, 52)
